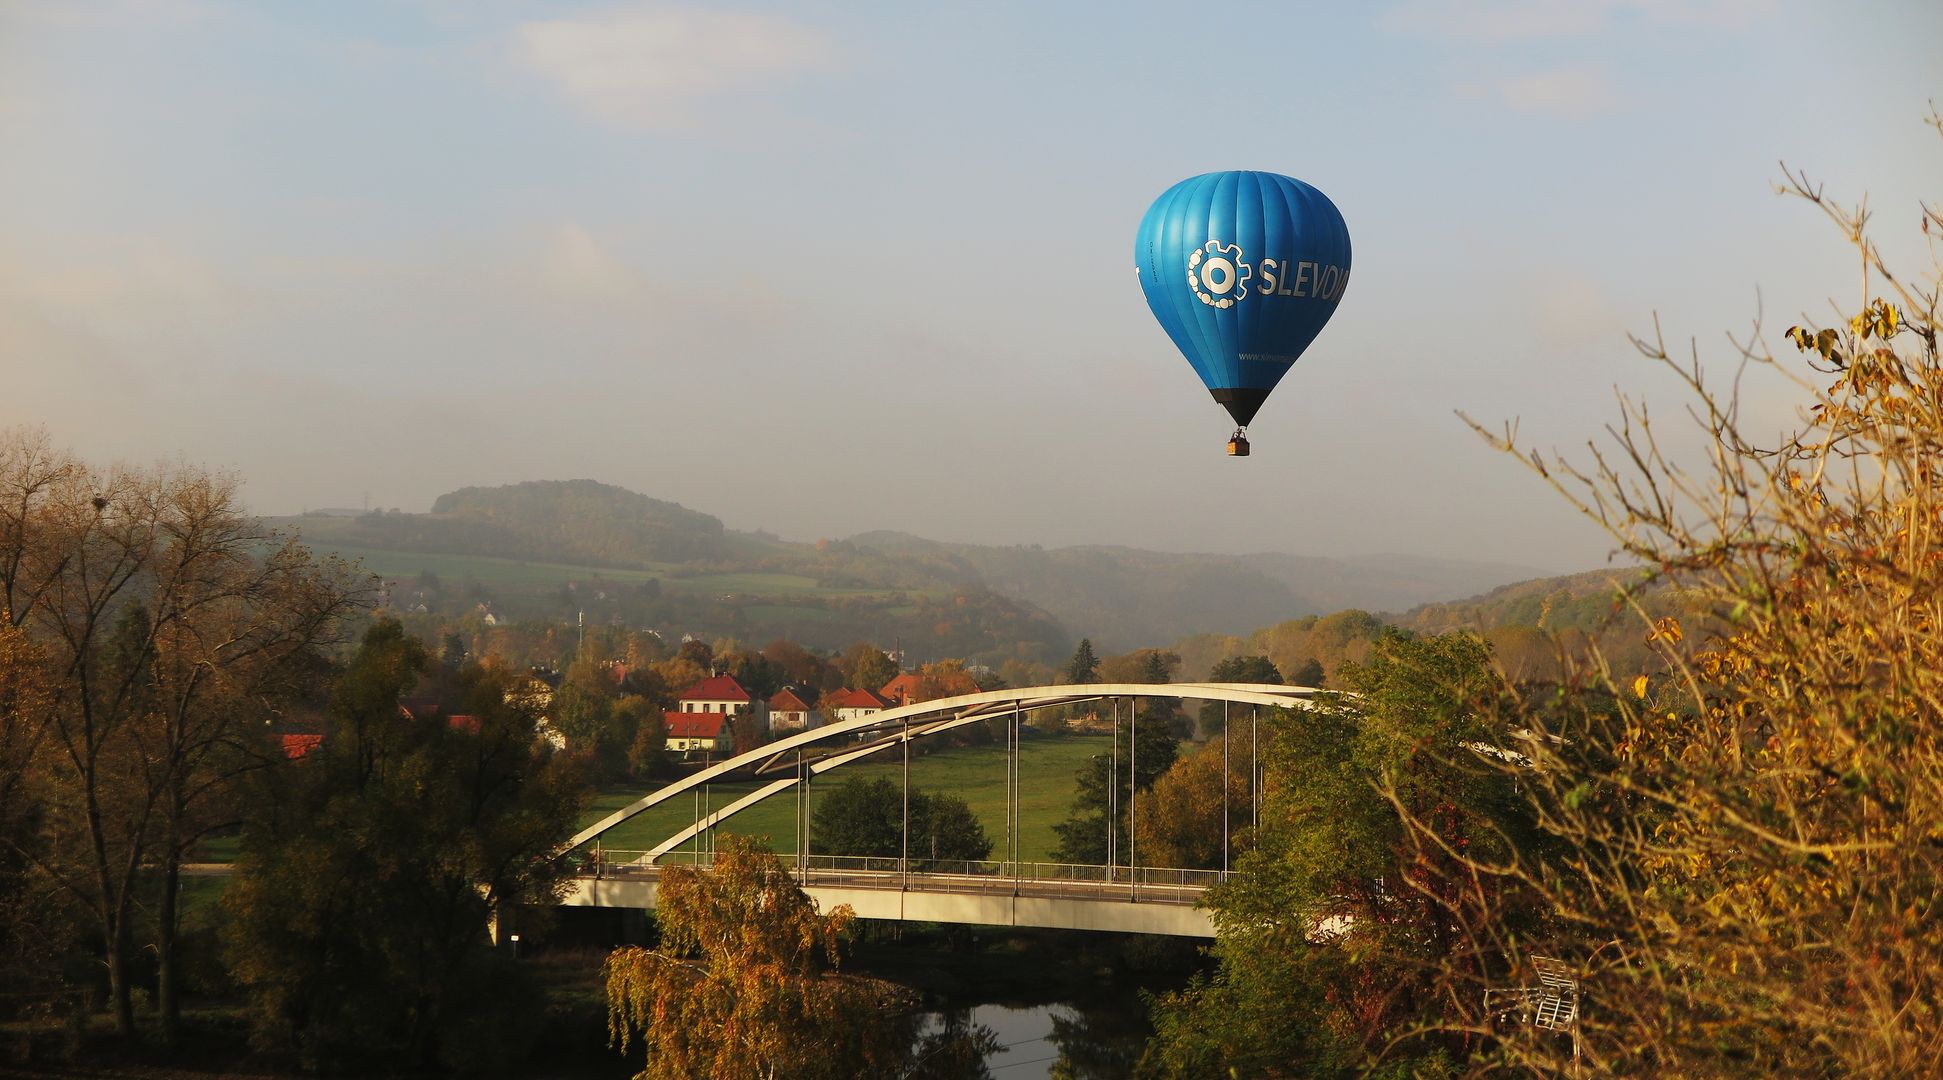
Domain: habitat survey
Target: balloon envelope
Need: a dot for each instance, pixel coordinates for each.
(1242, 269)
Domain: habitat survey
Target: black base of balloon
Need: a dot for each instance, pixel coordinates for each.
(1242, 402)
(1237, 445)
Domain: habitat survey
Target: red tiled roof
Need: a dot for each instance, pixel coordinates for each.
(719, 688)
(695, 725)
(296, 746)
(855, 699)
(419, 708)
(787, 700)
(463, 722)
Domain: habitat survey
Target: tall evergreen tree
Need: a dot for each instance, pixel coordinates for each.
(1154, 669)
(1084, 667)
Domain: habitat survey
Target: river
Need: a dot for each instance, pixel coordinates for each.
(1100, 1041)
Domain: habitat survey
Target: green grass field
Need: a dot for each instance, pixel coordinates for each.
(488, 569)
(976, 774)
(503, 572)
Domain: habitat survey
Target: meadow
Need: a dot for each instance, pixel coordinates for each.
(501, 572)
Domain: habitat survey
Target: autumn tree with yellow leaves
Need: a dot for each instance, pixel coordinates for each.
(1753, 836)
(744, 984)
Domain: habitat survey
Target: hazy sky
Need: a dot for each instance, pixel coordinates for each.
(827, 267)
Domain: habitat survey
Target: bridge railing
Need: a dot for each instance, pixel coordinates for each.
(938, 875)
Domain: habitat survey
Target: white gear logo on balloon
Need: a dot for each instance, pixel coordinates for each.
(1217, 275)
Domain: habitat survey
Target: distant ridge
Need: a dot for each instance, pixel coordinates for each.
(582, 521)
(1121, 597)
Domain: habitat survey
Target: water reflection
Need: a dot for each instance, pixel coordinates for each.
(951, 1046)
(1101, 1043)
(1095, 1041)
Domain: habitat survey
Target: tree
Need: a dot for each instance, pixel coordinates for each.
(1016, 672)
(1146, 751)
(753, 670)
(170, 624)
(583, 710)
(944, 830)
(1180, 821)
(943, 678)
(744, 983)
(1309, 674)
(1139, 666)
(859, 817)
(1750, 826)
(35, 931)
(649, 746)
(1084, 667)
(1158, 666)
(865, 666)
(1245, 669)
(1237, 669)
(678, 674)
(747, 731)
(801, 667)
(365, 886)
(957, 1050)
(697, 652)
(866, 817)
(1334, 929)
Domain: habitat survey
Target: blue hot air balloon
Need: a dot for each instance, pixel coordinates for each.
(1242, 269)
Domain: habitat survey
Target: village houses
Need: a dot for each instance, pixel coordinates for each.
(911, 687)
(850, 704)
(788, 711)
(701, 718)
(699, 732)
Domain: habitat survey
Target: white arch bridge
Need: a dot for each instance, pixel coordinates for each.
(1122, 895)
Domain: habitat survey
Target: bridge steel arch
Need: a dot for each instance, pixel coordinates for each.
(915, 721)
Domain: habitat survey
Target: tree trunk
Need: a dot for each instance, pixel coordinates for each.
(114, 920)
(115, 945)
(166, 998)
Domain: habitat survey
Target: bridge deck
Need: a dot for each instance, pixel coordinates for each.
(981, 899)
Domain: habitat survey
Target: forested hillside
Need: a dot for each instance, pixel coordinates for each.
(1125, 597)
(564, 550)
(581, 521)
(1526, 624)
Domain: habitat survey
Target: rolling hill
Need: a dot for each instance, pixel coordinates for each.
(554, 549)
